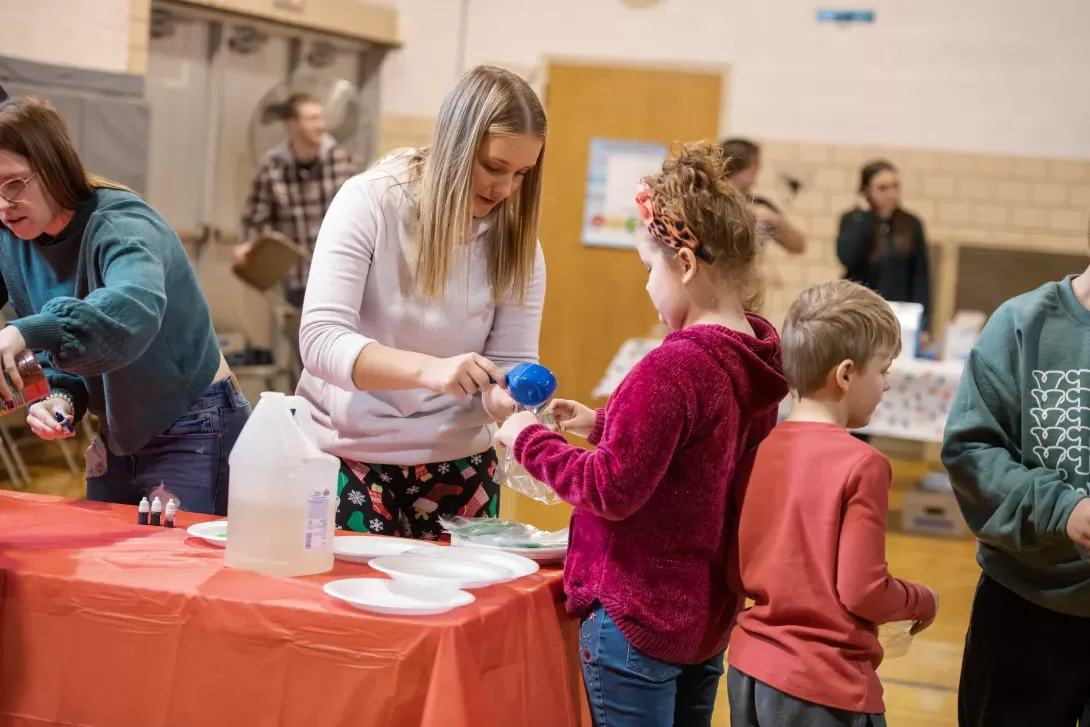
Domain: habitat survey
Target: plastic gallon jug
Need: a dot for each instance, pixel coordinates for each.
(283, 492)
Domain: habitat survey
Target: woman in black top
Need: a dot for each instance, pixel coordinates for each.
(882, 246)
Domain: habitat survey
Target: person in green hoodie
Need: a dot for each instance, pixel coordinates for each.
(103, 292)
(1017, 447)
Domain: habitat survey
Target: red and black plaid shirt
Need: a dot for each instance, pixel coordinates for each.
(292, 199)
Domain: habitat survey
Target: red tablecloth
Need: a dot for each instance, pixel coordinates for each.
(108, 624)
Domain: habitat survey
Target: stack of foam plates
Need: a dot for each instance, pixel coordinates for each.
(365, 548)
(544, 556)
(395, 598)
(449, 567)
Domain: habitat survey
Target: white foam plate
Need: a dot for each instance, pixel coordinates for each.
(214, 532)
(515, 565)
(395, 598)
(545, 556)
(364, 548)
(426, 570)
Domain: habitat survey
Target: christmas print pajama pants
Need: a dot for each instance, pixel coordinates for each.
(408, 501)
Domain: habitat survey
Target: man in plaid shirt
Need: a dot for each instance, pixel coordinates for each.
(294, 187)
(292, 191)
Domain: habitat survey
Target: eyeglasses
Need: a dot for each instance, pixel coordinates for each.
(13, 190)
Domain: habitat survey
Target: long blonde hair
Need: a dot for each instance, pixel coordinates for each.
(32, 128)
(487, 100)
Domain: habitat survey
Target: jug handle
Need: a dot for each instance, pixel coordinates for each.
(303, 414)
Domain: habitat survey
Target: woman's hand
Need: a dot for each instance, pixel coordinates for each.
(571, 416)
(42, 419)
(498, 403)
(460, 375)
(862, 203)
(11, 345)
(765, 214)
(513, 427)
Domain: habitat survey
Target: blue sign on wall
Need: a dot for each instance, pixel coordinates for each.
(845, 16)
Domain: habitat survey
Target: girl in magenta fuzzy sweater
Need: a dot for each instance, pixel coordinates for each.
(646, 566)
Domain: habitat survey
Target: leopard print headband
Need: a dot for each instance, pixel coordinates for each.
(668, 230)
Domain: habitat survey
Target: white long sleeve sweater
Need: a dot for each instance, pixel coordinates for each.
(360, 290)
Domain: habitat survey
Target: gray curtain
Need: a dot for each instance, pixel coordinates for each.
(106, 114)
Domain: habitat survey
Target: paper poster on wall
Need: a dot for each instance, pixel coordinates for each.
(610, 215)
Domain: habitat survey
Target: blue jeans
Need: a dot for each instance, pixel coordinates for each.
(189, 459)
(627, 688)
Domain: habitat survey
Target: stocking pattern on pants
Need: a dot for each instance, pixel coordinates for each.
(409, 501)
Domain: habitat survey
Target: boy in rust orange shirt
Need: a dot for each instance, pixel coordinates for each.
(812, 527)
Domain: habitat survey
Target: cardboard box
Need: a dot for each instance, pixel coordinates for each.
(932, 513)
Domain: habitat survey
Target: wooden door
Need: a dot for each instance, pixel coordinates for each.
(595, 296)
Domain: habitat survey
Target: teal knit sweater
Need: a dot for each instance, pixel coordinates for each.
(114, 306)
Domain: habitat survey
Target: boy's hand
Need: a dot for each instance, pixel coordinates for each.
(922, 625)
(513, 427)
(1078, 525)
(571, 416)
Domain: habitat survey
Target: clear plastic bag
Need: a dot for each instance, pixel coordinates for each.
(895, 638)
(502, 533)
(510, 473)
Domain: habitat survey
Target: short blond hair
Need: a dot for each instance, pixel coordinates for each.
(829, 323)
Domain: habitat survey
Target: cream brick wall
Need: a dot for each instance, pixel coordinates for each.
(396, 132)
(139, 36)
(1006, 202)
(82, 34)
(104, 35)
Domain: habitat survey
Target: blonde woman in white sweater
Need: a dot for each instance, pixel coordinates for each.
(426, 285)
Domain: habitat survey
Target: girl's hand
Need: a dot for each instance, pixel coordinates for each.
(42, 419)
(571, 416)
(513, 427)
(463, 375)
(498, 403)
(11, 345)
(862, 202)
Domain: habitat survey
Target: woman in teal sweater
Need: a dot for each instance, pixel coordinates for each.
(103, 290)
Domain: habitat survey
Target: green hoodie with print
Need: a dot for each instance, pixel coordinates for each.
(1017, 445)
